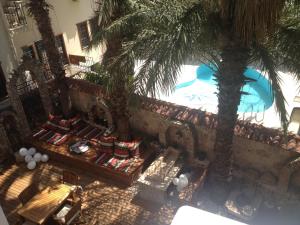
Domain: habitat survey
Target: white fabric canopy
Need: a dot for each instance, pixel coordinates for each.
(187, 215)
(3, 220)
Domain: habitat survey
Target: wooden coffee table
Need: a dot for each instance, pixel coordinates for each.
(44, 204)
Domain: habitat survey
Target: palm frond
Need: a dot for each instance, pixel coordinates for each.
(268, 64)
(37, 4)
(286, 42)
(124, 26)
(252, 19)
(184, 34)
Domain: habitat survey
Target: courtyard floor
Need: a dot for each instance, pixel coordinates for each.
(104, 203)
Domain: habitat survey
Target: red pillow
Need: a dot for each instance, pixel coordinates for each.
(122, 149)
(106, 144)
(74, 121)
(125, 149)
(52, 117)
(55, 123)
(134, 150)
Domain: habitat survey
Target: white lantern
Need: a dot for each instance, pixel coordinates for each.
(183, 182)
(179, 187)
(175, 181)
(32, 151)
(31, 165)
(23, 151)
(28, 158)
(44, 158)
(37, 157)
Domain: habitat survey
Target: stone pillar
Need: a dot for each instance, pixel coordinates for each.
(18, 107)
(285, 174)
(5, 147)
(181, 134)
(36, 72)
(162, 135)
(43, 89)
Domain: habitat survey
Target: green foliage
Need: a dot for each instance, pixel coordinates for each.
(98, 75)
(167, 34)
(170, 33)
(34, 5)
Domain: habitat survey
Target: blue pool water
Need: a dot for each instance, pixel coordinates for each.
(202, 90)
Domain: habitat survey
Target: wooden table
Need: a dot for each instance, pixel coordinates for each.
(45, 203)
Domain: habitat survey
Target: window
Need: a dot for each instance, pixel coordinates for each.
(14, 12)
(83, 34)
(28, 51)
(93, 25)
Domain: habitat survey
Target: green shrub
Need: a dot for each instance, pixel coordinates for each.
(98, 75)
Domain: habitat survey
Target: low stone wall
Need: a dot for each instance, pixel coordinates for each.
(247, 153)
(255, 147)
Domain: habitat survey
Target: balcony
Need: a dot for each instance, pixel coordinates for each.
(15, 14)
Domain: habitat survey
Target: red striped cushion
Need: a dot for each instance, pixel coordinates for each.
(122, 149)
(52, 117)
(74, 121)
(57, 124)
(121, 152)
(126, 149)
(106, 144)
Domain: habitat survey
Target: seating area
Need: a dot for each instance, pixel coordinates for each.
(103, 155)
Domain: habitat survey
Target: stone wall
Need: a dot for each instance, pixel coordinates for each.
(246, 152)
(255, 147)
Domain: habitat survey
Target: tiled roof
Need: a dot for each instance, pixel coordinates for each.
(243, 129)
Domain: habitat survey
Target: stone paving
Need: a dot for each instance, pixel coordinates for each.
(104, 203)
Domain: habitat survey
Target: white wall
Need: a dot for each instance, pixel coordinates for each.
(65, 14)
(7, 57)
(3, 220)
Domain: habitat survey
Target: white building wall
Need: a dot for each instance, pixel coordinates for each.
(7, 55)
(64, 15)
(3, 220)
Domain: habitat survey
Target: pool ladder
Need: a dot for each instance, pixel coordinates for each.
(256, 115)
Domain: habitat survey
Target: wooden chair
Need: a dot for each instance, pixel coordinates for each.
(28, 193)
(68, 212)
(22, 222)
(70, 178)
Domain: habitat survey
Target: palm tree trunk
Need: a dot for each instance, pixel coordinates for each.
(40, 12)
(230, 81)
(118, 88)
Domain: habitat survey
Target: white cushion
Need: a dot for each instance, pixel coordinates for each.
(63, 212)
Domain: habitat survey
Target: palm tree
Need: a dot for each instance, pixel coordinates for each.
(39, 10)
(120, 73)
(230, 34)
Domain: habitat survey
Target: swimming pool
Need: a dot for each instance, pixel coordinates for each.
(200, 91)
